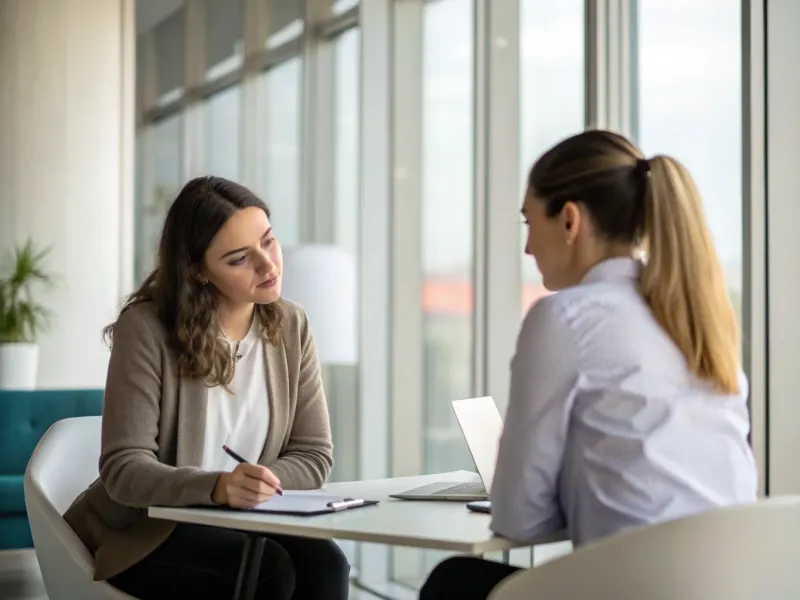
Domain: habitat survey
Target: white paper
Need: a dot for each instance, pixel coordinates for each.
(301, 502)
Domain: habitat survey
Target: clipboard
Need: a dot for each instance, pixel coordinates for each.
(306, 504)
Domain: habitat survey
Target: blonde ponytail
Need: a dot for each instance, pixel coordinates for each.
(683, 280)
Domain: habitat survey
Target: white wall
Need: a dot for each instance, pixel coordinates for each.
(66, 165)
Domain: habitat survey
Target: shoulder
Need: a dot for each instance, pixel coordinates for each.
(588, 307)
(548, 327)
(139, 321)
(549, 312)
(294, 320)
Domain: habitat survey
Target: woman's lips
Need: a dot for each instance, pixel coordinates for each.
(269, 282)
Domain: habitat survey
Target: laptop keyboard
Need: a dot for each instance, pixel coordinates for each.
(463, 489)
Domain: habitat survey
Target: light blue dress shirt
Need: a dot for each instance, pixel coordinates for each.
(606, 427)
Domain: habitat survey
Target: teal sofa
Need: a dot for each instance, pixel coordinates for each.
(24, 418)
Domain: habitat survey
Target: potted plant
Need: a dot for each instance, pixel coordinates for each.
(22, 318)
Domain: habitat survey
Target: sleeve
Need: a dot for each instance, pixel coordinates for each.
(129, 467)
(524, 490)
(308, 459)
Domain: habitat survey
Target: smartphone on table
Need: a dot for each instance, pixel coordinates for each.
(481, 506)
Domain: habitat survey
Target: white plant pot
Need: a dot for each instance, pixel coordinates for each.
(18, 366)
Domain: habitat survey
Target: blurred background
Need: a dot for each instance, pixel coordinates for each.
(400, 132)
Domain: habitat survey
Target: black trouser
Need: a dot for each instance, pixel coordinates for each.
(465, 578)
(203, 562)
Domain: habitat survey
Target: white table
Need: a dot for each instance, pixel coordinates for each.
(435, 525)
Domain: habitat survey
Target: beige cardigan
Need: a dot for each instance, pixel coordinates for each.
(153, 429)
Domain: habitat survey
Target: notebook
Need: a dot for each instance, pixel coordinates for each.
(309, 504)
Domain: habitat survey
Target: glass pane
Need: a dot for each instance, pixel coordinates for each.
(224, 36)
(341, 6)
(447, 238)
(690, 106)
(170, 43)
(221, 140)
(447, 227)
(284, 21)
(347, 156)
(343, 394)
(158, 180)
(141, 72)
(282, 90)
(552, 94)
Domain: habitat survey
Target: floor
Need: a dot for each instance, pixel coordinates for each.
(20, 578)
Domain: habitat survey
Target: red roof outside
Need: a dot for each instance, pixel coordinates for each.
(455, 297)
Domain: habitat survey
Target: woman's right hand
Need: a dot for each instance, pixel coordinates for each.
(247, 486)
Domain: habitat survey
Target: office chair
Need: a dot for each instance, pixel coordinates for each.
(63, 464)
(736, 553)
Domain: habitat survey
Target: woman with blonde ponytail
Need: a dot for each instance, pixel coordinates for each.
(627, 403)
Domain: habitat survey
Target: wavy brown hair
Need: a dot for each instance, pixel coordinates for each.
(656, 204)
(186, 307)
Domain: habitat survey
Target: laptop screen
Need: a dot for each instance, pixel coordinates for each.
(482, 426)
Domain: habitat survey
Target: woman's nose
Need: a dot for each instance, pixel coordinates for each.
(264, 264)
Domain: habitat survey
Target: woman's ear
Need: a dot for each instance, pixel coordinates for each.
(571, 220)
(197, 273)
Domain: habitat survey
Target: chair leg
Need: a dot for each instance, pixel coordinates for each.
(249, 568)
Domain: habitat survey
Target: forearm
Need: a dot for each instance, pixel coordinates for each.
(134, 478)
(303, 470)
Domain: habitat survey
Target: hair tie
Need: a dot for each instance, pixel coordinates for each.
(642, 166)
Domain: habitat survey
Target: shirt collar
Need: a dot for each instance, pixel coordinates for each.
(252, 336)
(249, 340)
(621, 268)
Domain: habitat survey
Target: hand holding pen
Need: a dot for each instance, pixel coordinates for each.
(248, 484)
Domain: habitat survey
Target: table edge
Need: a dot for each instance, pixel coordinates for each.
(489, 545)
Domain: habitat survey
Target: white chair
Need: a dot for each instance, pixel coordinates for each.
(747, 552)
(63, 464)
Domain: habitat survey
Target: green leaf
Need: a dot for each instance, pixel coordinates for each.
(22, 319)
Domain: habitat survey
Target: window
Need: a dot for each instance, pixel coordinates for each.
(447, 227)
(690, 107)
(221, 140)
(159, 181)
(343, 385)
(282, 87)
(447, 238)
(224, 27)
(284, 22)
(551, 94)
(347, 155)
(341, 6)
(170, 42)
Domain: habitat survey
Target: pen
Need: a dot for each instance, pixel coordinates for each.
(238, 458)
(345, 503)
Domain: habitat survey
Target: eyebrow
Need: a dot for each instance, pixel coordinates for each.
(237, 250)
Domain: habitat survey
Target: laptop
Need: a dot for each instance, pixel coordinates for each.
(481, 425)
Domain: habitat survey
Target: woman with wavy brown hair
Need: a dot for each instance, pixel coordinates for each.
(204, 354)
(627, 403)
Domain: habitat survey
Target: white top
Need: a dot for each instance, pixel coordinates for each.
(239, 420)
(606, 427)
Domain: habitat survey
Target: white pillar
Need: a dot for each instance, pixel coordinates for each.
(66, 166)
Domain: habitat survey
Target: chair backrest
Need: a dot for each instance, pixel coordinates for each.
(63, 464)
(736, 553)
(65, 461)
